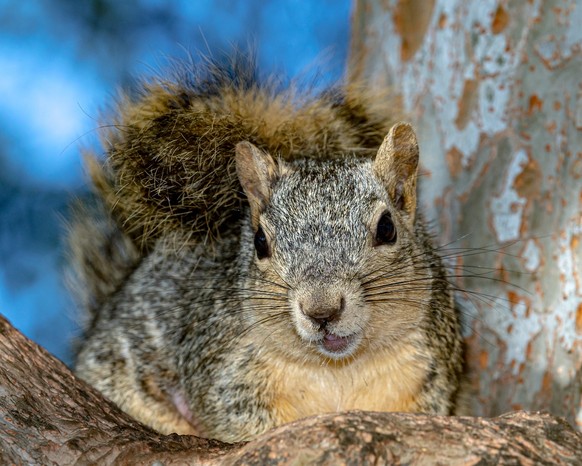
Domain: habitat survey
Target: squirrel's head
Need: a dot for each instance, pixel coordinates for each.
(335, 251)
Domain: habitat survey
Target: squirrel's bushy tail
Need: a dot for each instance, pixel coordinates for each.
(169, 148)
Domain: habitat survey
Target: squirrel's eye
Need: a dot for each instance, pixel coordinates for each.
(385, 231)
(261, 245)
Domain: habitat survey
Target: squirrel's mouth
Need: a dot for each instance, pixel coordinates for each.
(335, 345)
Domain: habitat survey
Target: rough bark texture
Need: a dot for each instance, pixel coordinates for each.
(47, 416)
(495, 91)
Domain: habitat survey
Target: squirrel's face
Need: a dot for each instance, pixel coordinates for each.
(334, 249)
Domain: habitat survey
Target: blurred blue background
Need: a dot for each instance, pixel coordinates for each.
(61, 61)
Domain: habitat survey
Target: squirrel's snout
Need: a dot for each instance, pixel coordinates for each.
(322, 311)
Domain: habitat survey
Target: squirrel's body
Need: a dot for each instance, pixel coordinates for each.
(322, 294)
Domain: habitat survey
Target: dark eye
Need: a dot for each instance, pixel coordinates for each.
(261, 244)
(385, 231)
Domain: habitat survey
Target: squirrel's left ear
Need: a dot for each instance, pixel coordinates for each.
(396, 165)
(257, 173)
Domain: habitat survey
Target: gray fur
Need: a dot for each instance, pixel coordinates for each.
(197, 334)
(192, 319)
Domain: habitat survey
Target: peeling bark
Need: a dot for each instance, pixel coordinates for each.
(494, 89)
(47, 416)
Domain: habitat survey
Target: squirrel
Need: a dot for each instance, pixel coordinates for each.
(258, 257)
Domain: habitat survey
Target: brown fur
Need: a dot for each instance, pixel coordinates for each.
(264, 259)
(302, 389)
(170, 152)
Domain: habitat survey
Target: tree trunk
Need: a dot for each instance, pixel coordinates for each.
(47, 416)
(495, 91)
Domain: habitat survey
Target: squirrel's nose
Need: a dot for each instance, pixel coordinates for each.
(323, 313)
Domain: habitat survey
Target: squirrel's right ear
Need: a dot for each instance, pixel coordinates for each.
(257, 172)
(396, 165)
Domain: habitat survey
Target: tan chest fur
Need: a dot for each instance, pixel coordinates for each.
(375, 382)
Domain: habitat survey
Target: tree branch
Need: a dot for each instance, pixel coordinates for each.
(48, 416)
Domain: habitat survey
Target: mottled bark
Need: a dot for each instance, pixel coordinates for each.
(495, 91)
(47, 416)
